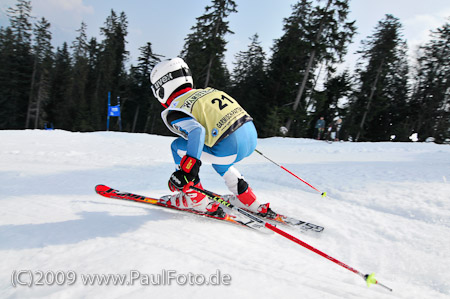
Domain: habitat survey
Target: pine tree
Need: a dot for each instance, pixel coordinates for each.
(80, 45)
(80, 72)
(249, 77)
(337, 89)
(142, 101)
(42, 67)
(8, 105)
(93, 95)
(205, 47)
(59, 109)
(111, 74)
(312, 35)
(332, 34)
(16, 68)
(20, 22)
(431, 98)
(290, 56)
(382, 77)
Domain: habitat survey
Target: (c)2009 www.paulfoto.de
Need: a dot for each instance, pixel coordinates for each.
(32, 278)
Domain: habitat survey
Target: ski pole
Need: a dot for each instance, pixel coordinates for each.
(287, 170)
(368, 278)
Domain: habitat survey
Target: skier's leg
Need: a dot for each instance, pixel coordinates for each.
(237, 146)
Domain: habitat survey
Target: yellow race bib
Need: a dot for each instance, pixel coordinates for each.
(215, 110)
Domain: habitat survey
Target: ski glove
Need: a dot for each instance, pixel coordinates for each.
(188, 172)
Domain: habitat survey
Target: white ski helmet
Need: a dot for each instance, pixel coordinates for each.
(169, 75)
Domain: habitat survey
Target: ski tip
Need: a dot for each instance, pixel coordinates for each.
(101, 187)
(324, 194)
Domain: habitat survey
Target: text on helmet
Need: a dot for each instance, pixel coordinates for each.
(161, 81)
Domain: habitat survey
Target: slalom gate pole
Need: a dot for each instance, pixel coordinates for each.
(368, 278)
(290, 172)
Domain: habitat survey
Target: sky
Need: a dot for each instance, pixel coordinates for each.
(167, 23)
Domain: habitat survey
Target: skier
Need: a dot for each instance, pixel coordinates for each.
(212, 127)
(338, 125)
(320, 127)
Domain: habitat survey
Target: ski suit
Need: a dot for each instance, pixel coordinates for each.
(212, 127)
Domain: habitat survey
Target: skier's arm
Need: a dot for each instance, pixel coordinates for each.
(195, 133)
(190, 163)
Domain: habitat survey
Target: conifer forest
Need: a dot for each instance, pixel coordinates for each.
(386, 97)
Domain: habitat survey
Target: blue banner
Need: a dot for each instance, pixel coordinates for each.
(114, 110)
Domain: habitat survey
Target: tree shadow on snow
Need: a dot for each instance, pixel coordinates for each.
(81, 182)
(91, 225)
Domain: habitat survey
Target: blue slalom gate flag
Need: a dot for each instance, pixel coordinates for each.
(114, 110)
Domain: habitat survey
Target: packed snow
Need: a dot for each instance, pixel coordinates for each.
(387, 212)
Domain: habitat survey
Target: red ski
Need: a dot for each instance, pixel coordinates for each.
(116, 194)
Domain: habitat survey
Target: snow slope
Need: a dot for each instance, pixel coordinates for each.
(388, 212)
